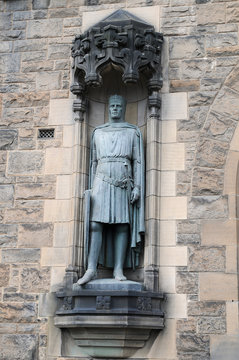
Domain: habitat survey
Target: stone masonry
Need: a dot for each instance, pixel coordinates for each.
(193, 209)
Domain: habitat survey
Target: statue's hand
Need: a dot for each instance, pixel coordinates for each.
(134, 195)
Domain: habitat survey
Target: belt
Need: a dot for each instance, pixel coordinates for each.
(124, 160)
(122, 183)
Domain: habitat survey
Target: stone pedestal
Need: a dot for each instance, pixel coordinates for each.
(107, 318)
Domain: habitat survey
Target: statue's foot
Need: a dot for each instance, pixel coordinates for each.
(118, 275)
(89, 275)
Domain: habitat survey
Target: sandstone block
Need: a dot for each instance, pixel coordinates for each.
(58, 161)
(232, 317)
(44, 28)
(173, 256)
(35, 191)
(207, 308)
(9, 63)
(61, 112)
(211, 286)
(167, 279)
(184, 47)
(175, 306)
(219, 127)
(173, 156)
(47, 80)
(29, 99)
(54, 257)
(167, 233)
(208, 207)
(23, 215)
(211, 153)
(173, 208)
(25, 162)
(20, 256)
(35, 280)
(233, 79)
(193, 344)
(18, 312)
(164, 346)
(211, 14)
(184, 85)
(220, 40)
(6, 195)
(4, 274)
(174, 106)
(207, 181)
(226, 104)
(186, 282)
(207, 259)
(35, 235)
(223, 51)
(5, 21)
(219, 233)
(212, 325)
(232, 12)
(18, 346)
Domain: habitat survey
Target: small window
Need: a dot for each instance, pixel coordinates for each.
(46, 133)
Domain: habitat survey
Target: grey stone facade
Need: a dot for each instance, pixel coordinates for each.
(191, 212)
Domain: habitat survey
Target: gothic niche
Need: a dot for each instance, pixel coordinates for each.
(106, 318)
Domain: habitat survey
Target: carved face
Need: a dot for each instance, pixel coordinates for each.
(116, 110)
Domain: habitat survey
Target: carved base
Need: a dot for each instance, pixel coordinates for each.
(107, 323)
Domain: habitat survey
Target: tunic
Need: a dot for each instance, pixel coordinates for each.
(116, 159)
(116, 167)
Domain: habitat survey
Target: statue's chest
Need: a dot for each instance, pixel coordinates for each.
(114, 142)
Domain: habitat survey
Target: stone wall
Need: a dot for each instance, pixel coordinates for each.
(193, 206)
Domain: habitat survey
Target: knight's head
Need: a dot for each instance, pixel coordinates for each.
(117, 107)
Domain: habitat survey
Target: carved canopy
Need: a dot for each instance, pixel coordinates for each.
(127, 42)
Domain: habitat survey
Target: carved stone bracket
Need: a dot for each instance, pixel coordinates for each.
(125, 41)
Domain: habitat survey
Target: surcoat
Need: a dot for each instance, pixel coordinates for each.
(116, 168)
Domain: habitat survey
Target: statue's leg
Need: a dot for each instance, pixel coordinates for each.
(96, 230)
(120, 247)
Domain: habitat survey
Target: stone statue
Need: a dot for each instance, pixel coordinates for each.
(115, 222)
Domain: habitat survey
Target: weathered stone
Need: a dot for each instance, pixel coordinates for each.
(196, 68)
(211, 14)
(40, 4)
(26, 144)
(211, 153)
(35, 191)
(63, 13)
(58, 51)
(206, 308)
(22, 15)
(35, 235)
(186, 282)
(186, 326)
(187, 239)
(35, 280)
(20, 256)
(8, 229)
(232, 12)
(4, 274)
(211, 84)
(30, 215)
(188, 227)
(208, 207)
(9, 35)
(207, 181)
(16, 297)
(8, 139)
(178, 22)
(36, 66)
(223, 51)
(72, 22)
(207, 259)
(9, 63)
(201, 98)
(212, 325)
(182, 47)
(15, 5)
(29, 204)
(184, 85)
(18, 346)
(34, 55)
(25, 162)
(193, 343)
(18, 312)
(30, 45)
(19, 25)
(29, 99)
(46, 80)
(6, 195)
(8, 241)
(6, 46)
(219, 40)
(5, 21)
(44, 28)
(233, 80)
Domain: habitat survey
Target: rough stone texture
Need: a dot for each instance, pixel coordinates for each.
(186, 282)
(18, 346)
(208, 207)
(207, 308)
(207, 181)
(6, 196)
(35, 280)
(35, 235)
(20, 256)
(8, 139)
(25, 162)
(207, 259)
(4, 274)
(35, 191)
(211, 153)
